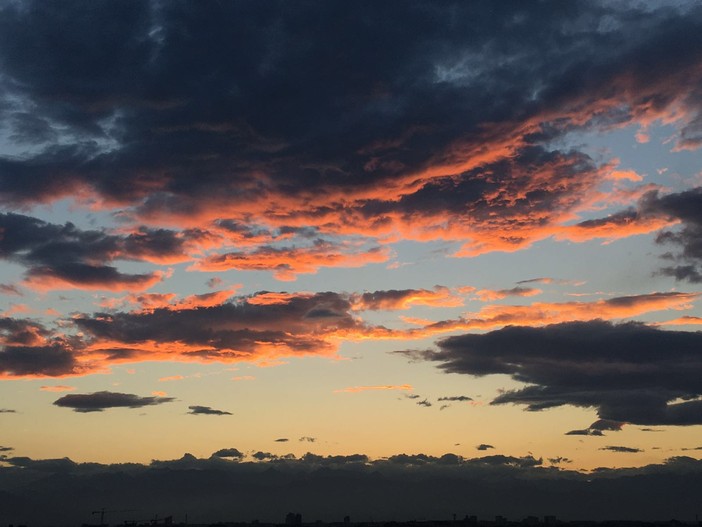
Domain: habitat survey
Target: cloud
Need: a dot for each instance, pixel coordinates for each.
(585, 432)
(623, 449)
(484, 446)
(629, 372)
(231, 453)
(258, 328)
(287, 262)
(7, 411)
(206, 410)
(308, 439)
(456, 398)
(57, 388)
(282, 440)
(6, 449)
(234, 331)
(9, 289)
(263, 456)
(405, 298)
(64, 256)
(168, 485)
(433, 136)
(488, 295)
(424, 402)
(559, 460)
(99, 401)
(214, 282)
(682, 207)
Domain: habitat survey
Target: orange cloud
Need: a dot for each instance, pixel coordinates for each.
(57, 388)
(151, 301)
(544, 313)
(287, 263)
(267, 332)
(682, 321)
(628, 175)
(404, 299)
(487, 295)
(46, 280)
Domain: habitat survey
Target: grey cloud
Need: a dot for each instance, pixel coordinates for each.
(607, 424)
(424, 402)
(685, 207)
(263, 456)
(456, 398)
(6, 449)
(622, 449)
(629, 372)
(232, 453)
(31, 349)
(282, 440)
(409, 87)
(9, 289)
(322, 484)
(559, 460)
(7, 411)
(52, 360)
(99, 401)
(206, 410)
(308, 439)
(484, 446)
(585, 432)
(81, 257)
(233, 329)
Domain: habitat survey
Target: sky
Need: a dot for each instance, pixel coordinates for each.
(427, 240)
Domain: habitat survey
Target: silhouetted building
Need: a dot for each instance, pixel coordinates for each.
(293, 518)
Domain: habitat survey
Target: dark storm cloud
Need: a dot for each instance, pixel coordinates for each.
(263, 456)
(379, 98)
(52, 360)
(622, 449)
(685, 207)
(607, 424)
(30, 349)
(206, 410)
(483, 446)
(629, 372)
(258, 326)
(99, 401)
(232, 453)
(55, 254)
(585, 432)
(44, 490)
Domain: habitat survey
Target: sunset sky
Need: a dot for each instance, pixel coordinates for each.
(267, 229)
